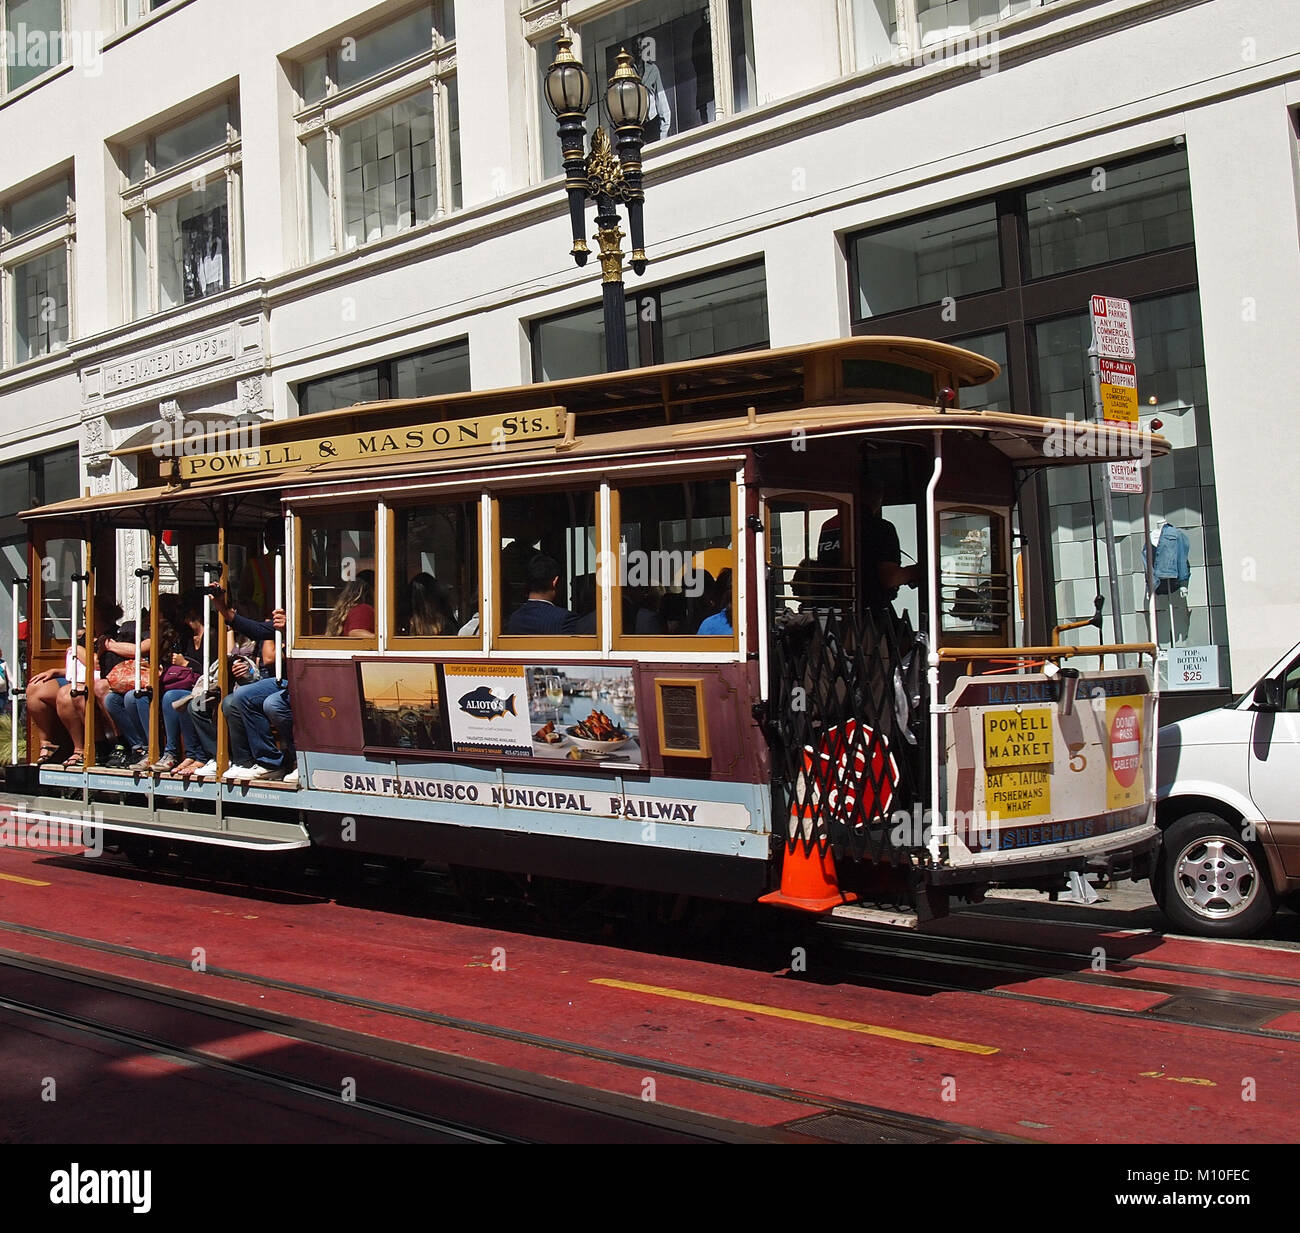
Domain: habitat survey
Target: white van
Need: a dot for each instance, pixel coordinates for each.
(1228, 804)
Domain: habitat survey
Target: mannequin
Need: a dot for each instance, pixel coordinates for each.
(1169, 569)
(1168, 558)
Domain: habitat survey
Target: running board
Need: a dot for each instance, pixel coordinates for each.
(866, 914)
(252, 834)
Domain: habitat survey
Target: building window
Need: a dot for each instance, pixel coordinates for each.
(696, 58)
(905, 265)
(33, 40)
(714, 315)
(875, 32)
(181, 206)
(35, 256)
(1172, 385)
(379, 128)
(1062, 241)
(1108, 215)
(937, 21)
(994, 395)
(41, 479)
(134, 11)
(422, 374)
(881, 31)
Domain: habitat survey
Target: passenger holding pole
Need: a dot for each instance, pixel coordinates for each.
(258, 703)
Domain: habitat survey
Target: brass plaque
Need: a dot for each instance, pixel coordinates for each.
(683, 726)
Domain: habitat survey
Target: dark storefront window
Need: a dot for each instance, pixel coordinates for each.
(1105, 215)
(996, 395)
(905, 265)
(1020, 268)
(714, 315)
(28, 482)
(423, 374)
(1172, 386)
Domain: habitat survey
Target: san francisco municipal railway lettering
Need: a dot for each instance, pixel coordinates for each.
(552, 800)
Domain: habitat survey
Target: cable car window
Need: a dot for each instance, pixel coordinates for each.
(974, 586)
(547, 554)
(62, 559)
(676, 560)
(336, 564)
(435, 571)
(810, 553)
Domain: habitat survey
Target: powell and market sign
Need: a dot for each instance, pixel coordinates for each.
(481, 430)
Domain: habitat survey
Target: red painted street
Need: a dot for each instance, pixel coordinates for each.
(174, 1004)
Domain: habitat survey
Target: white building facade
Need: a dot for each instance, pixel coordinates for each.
(222, 208)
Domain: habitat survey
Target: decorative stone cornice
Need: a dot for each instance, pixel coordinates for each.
(542, 19)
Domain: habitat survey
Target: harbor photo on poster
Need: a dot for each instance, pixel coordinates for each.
(400, 706)
(584, 713)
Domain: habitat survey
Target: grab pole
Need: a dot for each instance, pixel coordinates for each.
(279, 604)
(938, 830)
(207, 625)
(139, 618)
(15, 683)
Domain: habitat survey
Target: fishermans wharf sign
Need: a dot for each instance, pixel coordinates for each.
(494, 431)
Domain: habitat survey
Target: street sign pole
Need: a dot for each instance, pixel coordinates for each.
(1108, 510)
(1112, 338)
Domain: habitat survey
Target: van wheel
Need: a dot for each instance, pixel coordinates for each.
(1210, 881)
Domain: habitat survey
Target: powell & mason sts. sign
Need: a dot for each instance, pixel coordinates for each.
(477, 432)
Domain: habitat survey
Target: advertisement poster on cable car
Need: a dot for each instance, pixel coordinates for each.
(584, 713)
(578, 713)
(400, 705)
(487, 709)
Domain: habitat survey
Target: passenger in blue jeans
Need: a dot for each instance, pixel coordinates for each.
(255, 706)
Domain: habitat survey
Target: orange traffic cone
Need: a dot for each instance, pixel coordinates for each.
(808, 880)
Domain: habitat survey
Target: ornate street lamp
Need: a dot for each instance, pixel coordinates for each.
(604, 177)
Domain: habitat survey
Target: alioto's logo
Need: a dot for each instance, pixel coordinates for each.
(484, 704)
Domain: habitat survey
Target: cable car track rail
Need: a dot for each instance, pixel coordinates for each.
(903, 1123)
(665, 1122)
(183, 1055)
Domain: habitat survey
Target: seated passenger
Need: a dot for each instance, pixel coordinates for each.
(428, 610)
(354, 610)
(539, 614)
(719, 624)
(133, 741)
(181, 663)
(256, 706)
(70, 702)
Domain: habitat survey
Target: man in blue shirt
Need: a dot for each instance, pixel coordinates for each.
(539, 614)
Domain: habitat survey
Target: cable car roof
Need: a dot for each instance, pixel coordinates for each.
(699, 404)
